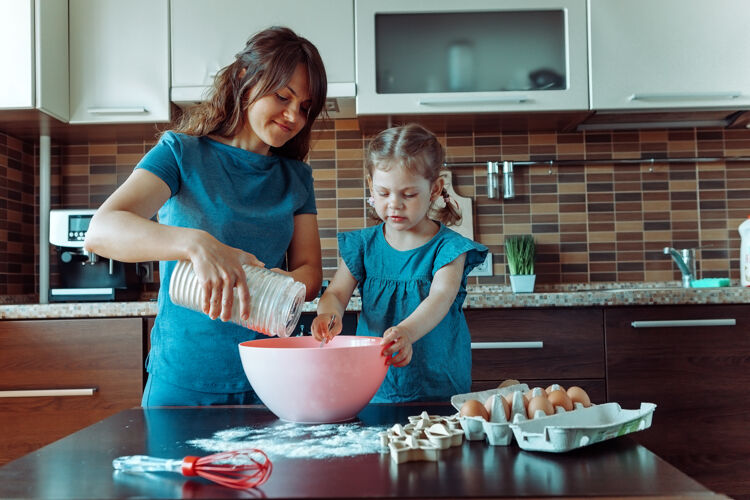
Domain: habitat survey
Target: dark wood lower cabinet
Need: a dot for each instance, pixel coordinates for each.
(538, 347)
(698, 374)
(41, 361)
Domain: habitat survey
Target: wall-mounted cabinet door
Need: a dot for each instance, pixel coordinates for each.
(445, 56)
(119, 61)
(34, 56)
(207, 35)
(17, 54)
(648, 54)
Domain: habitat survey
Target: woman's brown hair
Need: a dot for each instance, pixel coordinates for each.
(269, 58)
(416, 149)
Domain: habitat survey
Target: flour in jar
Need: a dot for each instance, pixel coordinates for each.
(290, 440)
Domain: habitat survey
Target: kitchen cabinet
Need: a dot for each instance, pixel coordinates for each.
(538, 347)
(694, 364)
(119, 61)
(666, 54)
(207, 35)
(58, 376)
(472, 56)
(34, 56)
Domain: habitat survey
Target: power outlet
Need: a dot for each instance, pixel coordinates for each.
(483, 269)
(145, 271)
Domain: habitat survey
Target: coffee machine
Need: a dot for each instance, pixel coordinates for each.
(84, 276)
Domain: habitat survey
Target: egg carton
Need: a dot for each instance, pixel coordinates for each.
(572, 429)
(423, 438)
(496, 430)
(581, 427)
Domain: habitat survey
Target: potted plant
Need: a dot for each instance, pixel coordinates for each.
(520, 252)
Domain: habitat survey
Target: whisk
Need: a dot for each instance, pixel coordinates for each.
(239, 469)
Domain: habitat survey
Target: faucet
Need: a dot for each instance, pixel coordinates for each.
(685, 260)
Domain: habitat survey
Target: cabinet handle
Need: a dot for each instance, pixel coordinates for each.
(118, 111)
(508, 345)
(473, 100)
(43, 393)
(687, 96)
(684, 322)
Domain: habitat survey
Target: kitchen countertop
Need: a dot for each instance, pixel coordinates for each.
(478, 297)
(80, 465)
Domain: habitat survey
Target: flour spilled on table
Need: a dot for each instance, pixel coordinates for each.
(286, 439)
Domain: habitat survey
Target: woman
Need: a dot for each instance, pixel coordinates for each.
(230, 189)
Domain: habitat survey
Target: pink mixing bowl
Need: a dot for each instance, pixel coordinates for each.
(300, 381)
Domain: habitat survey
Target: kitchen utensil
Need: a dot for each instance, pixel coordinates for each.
(275, 299)
(330, 325)
(466, 226)
(239, 469)
(299, 382)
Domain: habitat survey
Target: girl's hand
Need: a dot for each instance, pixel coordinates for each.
(320, 330)
(219, 270)
(397, 341)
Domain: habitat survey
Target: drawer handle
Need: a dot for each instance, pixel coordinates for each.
(473, 100)
(508, 345)
(43, 393)
(688, 96)
(137, 110)
(684, 322)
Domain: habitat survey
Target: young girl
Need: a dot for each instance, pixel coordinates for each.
(230, 189)
(411, 272)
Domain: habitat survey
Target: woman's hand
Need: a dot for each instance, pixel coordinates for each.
(219, 270)
(320, 326)
(397, 342)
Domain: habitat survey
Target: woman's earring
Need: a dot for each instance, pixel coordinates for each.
(371, 201)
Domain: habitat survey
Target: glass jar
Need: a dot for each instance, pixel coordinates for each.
(275, 299)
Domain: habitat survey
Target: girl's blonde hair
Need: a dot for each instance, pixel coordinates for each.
(416, 149)
(269, 59)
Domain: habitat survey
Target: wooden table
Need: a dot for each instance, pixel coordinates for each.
(80, 465)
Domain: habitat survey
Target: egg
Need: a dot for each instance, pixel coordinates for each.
(508, 382)
(559, 397)
(473, 408)
(578, 395)
(539, 403)
(553, 387)
(490, 403)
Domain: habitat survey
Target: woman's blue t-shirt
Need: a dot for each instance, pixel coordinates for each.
(245, 200)
(392, 284)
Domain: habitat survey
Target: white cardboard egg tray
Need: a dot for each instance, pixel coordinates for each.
(563, 431)
(422, 438)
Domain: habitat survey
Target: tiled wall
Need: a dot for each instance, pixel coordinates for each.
(17, 217)
(592, 222)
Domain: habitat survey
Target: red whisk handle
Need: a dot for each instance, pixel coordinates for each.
(188, 466)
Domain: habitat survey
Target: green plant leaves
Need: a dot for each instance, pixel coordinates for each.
(520, 252)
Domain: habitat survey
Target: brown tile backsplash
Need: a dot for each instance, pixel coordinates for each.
(17, 217)
(602, 221)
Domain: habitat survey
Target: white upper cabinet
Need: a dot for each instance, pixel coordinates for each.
(669, 54)
(34, 56)
(207, 35)
(443, 56)
(119, 61)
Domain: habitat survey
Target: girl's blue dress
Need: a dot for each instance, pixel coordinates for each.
(392, 284)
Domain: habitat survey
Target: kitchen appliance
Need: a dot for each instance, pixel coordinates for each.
(84, 276)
